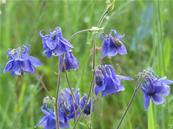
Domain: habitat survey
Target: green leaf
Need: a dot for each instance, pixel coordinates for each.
(151, 117)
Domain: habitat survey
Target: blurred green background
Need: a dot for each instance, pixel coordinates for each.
(147, 26)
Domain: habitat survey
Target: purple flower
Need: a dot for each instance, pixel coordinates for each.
(155, 88)
(54, 43)
(69, 62)
(20, 61)
(107, 82)
(66, 103)
(49, 120)
(84, 104)
(112, 44)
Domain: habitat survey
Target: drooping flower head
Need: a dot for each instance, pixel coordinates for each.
(154, 88)
(69, 62)
(67, 104)
(20, 61)
(49, 120)
(112, 44)
(107, 81)
(54, 43)
(85, 106)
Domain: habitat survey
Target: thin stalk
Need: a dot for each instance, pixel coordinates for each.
(78, 32)
(128, 106)
(102, 17)
(56, 99)
(94, 63)
(72, 92)
(74, 127)
(94, 59)
(74, 99)
(18, 84)
(42, 84)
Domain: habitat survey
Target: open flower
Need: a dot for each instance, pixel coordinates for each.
(54, 43)
(69, 62)
(107, 82)
(49, 120)
(20, 61)
(155, 88)
(112, 44)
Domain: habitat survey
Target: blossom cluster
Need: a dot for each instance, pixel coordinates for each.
(68, 109)
(54, 44)
(107, 81)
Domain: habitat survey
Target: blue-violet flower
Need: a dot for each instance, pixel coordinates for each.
(107, 81)
(69, 62)
(54, 43)
(154, 88)
(85, 105)
(66, 103)
(20, 61)
(112, 44)
(49, 120)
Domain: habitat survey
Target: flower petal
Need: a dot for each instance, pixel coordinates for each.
(9, 66)
(122, 49)
(165, 81)
(120, 88)
(16, 68)
(99, 89)
(157, 99)
(124, 77)
(111, 87)
(164, 90)
(108, 47)
(27, 66)
(146, 101)
(34, 61)
(41, 121)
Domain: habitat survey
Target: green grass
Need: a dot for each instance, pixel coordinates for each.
(148, 37)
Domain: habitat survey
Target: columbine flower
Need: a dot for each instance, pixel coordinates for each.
(107, 82)
(155, 88)
(20, 61)
(54, 43)
(69, 62)
(112, 44)
(67, 104)
(85, 105)
(49, 120)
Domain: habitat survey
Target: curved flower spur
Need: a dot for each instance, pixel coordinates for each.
(20, 61)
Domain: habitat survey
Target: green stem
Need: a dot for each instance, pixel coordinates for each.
(56, 99)
(94, 63)
(94, 60)
(78, 32)
(73, 96)
(39, 78)
(129, 105)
